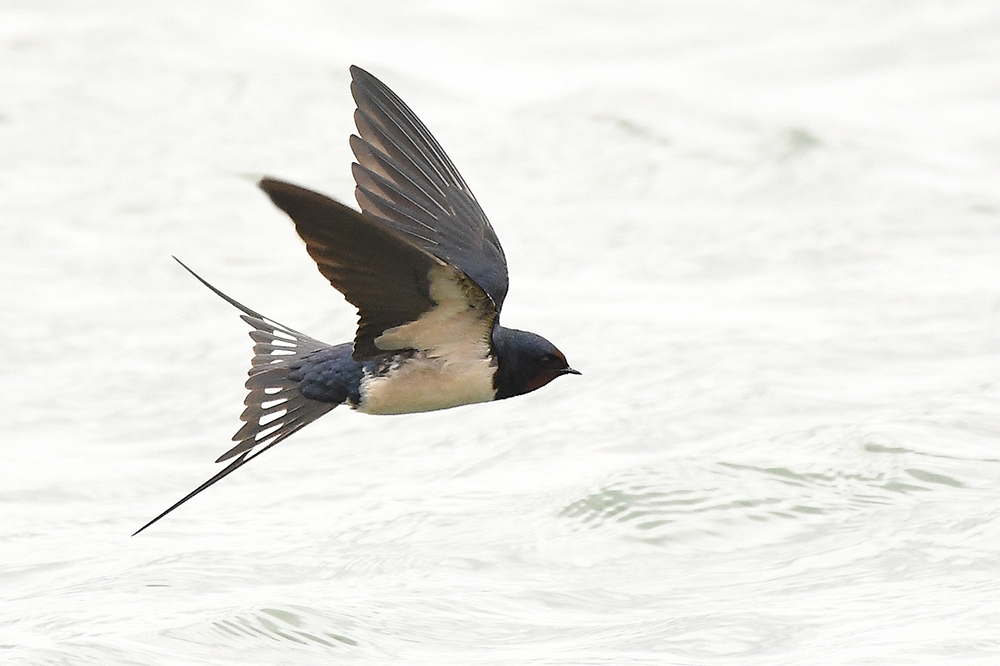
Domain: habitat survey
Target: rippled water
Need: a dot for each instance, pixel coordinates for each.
(770, 239)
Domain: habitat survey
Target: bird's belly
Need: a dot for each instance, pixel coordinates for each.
(426, 384)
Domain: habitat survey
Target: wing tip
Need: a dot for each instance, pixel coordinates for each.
(270, 185)
(361, 75)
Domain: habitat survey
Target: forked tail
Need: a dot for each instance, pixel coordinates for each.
(275, 406)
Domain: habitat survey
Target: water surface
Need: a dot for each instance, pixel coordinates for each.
(770, 240)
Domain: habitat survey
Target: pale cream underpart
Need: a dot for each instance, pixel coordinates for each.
(452, 366)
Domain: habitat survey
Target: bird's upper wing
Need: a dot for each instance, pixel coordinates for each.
(377, 270)
(406, 181)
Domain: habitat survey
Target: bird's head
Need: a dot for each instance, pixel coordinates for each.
(525, 362)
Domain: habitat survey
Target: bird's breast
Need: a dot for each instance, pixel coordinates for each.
(422, 383)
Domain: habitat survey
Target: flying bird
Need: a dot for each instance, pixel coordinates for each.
(425, 270)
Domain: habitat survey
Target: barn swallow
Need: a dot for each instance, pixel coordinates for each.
(425, 270)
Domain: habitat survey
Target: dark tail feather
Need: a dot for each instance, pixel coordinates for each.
(230, 468)
(275, 408)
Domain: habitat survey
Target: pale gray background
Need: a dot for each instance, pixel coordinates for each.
(768, 233)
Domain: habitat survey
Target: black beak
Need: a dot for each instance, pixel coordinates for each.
(570, 371)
